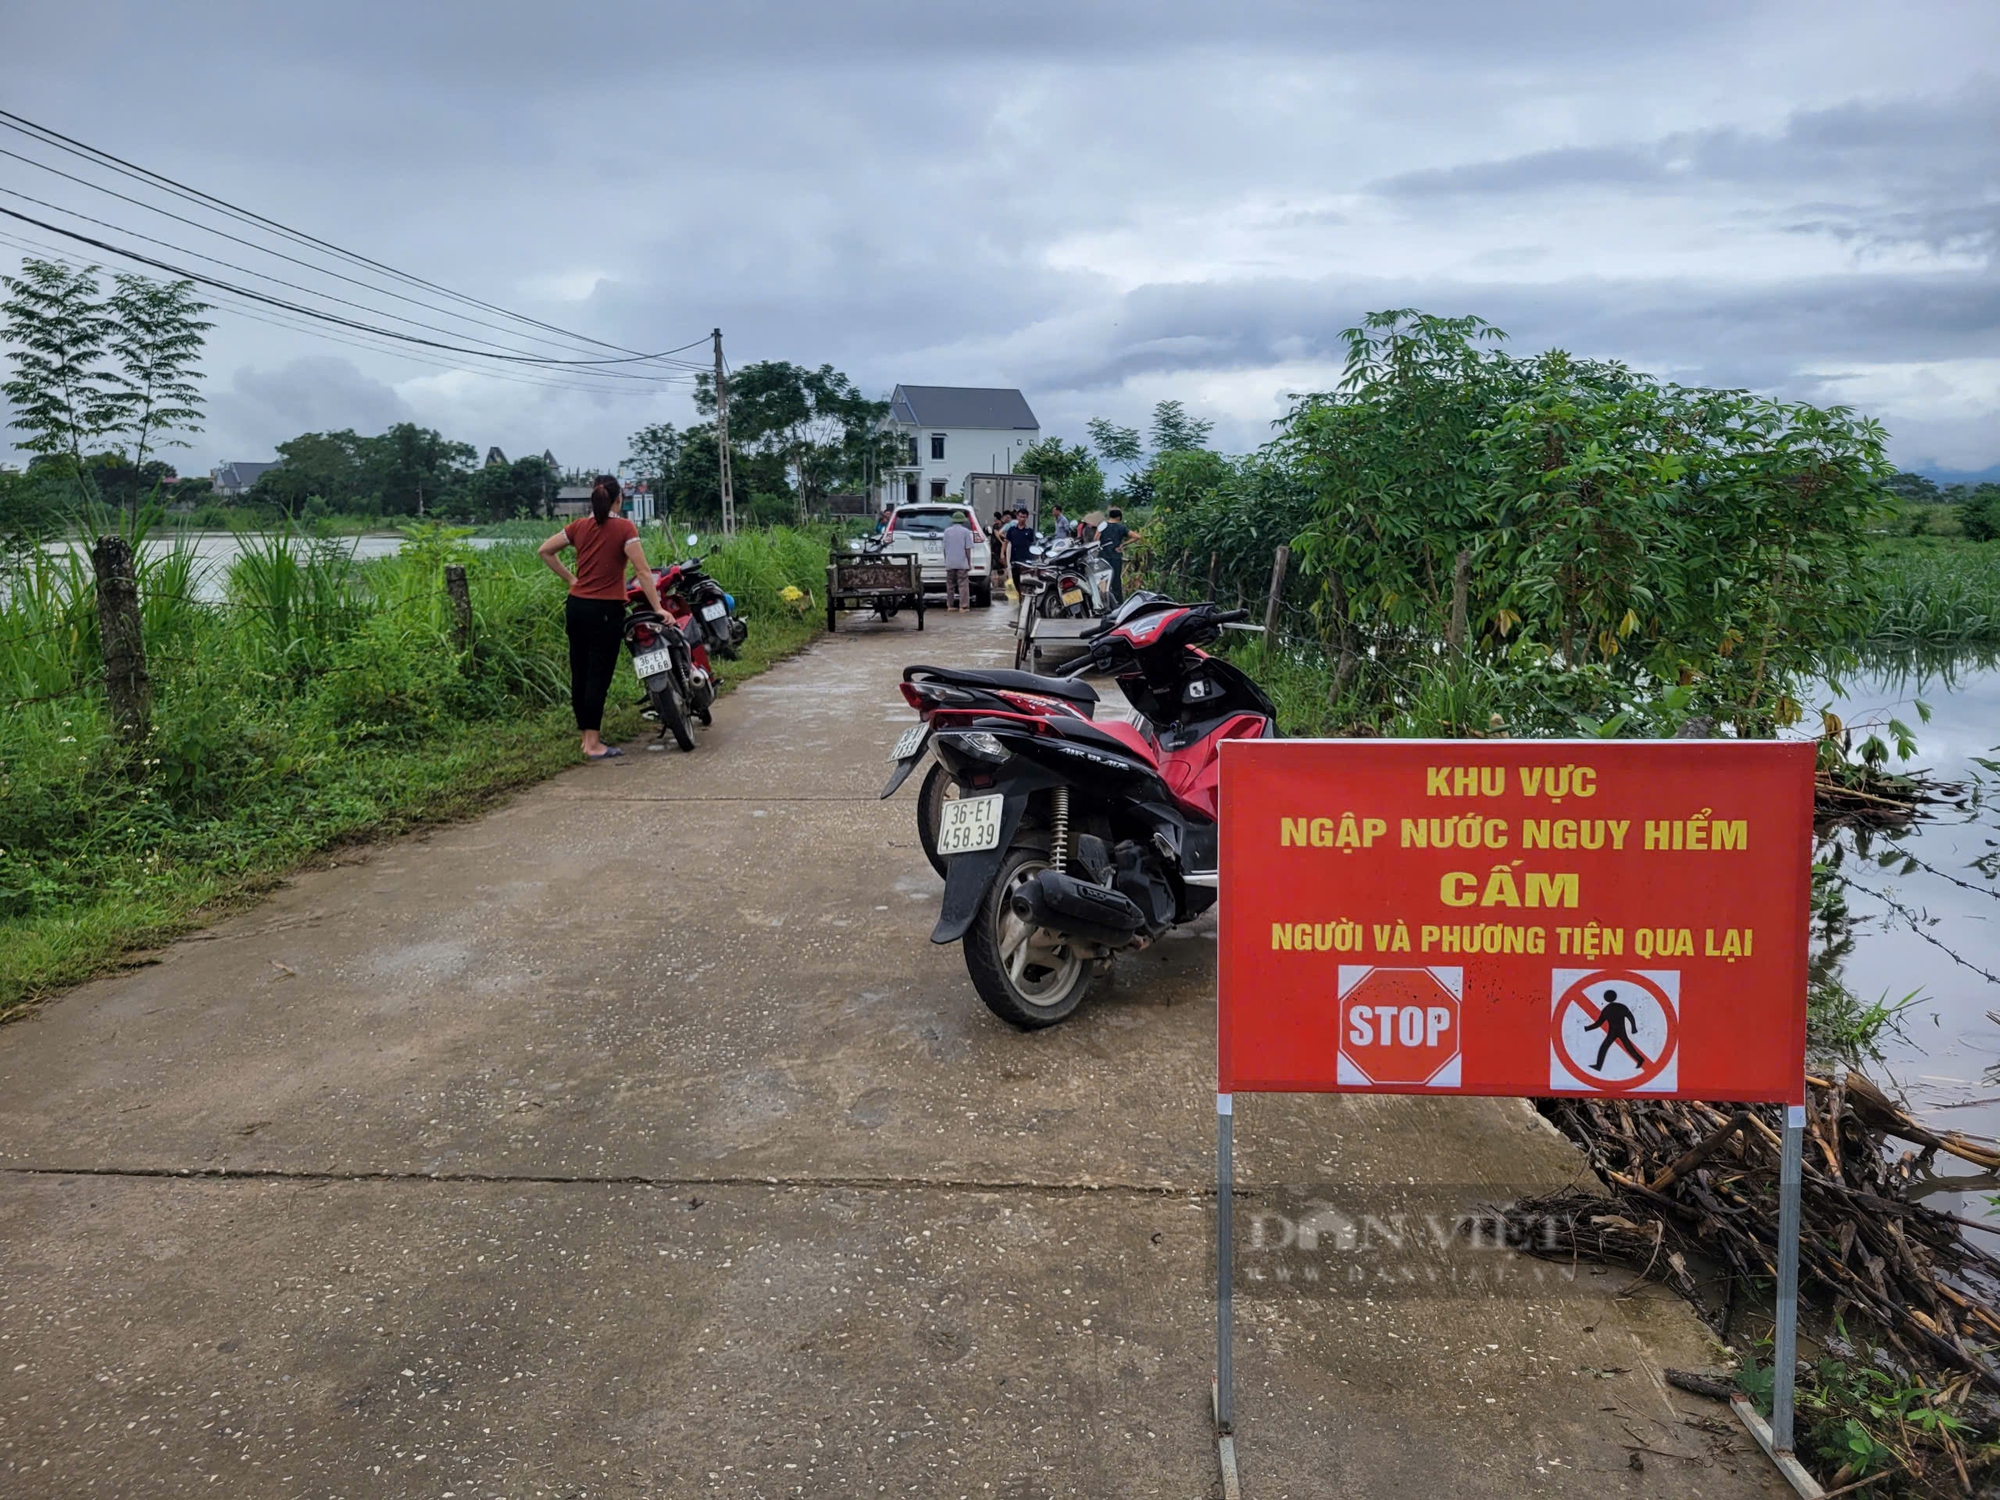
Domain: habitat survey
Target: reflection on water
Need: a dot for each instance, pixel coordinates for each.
(1922, 894)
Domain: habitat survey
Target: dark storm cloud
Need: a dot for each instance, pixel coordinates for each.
(1100, 203)
(314, 394)
(1931, 163)
(511, 42)
(1706, 333)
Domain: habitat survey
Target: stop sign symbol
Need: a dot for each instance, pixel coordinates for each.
(1399, 1027)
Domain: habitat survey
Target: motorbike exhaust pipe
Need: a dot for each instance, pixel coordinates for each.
(1079, 910)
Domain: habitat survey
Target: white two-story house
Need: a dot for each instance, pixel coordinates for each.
(950, 431)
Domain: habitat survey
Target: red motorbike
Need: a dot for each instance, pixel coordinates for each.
(1062, 839)
(670, 653)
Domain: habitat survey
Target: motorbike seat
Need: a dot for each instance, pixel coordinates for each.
(1069, 689)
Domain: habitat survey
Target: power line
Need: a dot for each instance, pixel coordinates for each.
(394, 350)
(293, 285)
(202, 279)
(262, 249)
(47, 136)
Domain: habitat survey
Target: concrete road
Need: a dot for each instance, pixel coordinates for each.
(633, 1140)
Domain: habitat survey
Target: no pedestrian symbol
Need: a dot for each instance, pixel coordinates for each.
(1615, 1031)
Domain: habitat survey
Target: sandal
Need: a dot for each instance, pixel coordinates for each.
(609, 752)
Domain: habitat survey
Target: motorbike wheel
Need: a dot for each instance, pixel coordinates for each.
(671, 707)
(1026, 981)
(938, 789)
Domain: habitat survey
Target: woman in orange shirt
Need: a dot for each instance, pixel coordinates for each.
(594, 614)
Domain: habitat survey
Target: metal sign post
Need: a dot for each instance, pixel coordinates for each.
(1776, 1437)
(1225, 1261)
(1785, 1351)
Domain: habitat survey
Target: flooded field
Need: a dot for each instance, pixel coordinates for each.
(1926, 915)
(215, 550)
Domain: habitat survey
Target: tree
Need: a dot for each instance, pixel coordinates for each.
(156, 342)
(1069, 474)
(330, 465)
(63, 397)
(818, 421)
(655, 457)
(1979, 516)
(1913, 487)
(1628, 535)
(1114, 444)
(415, 464)
(500, 491)
(1174, 431)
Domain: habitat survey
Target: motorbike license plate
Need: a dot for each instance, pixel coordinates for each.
(652, 663)
(911, 742)
(1072, 596)
(714, 611)
(970, 824)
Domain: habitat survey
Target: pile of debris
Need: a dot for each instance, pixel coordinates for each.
(1692, 1199)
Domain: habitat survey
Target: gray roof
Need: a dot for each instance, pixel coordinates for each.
(240, 473)
(962, 406)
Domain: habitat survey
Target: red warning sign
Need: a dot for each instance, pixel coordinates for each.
(1515, 918)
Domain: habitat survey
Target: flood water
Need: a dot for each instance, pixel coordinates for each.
(216, 550)
(1943, 1055)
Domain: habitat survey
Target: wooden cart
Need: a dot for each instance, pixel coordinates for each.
(882, 581)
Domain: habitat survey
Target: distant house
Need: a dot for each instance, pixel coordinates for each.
(495, 459)
(573, 500)
(949, 431)
(236, 478)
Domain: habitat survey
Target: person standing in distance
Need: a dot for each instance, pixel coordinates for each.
(1111, 546)
(594, 614)
(996, 535)
(958, 563)
(1021, 541)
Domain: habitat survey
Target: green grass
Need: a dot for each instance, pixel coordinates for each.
(1937, 594)
(322, 704)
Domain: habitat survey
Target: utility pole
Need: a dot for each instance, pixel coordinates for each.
(722, 438)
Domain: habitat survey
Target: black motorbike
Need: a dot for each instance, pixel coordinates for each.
(670, 652)
(1064, 839)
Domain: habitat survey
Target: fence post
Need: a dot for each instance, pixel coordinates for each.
(460, 598)
(1279, 562)
(122, 639)
(1461, 586)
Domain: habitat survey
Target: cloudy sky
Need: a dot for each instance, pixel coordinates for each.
(1103, 204)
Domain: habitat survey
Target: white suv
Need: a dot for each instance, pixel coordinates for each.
(920, 529)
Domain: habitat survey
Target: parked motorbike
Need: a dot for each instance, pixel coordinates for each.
(670, 652)
(1064, 840)
(1072, 581)
(1066, 579)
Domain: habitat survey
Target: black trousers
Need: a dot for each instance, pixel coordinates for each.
(596, 630)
